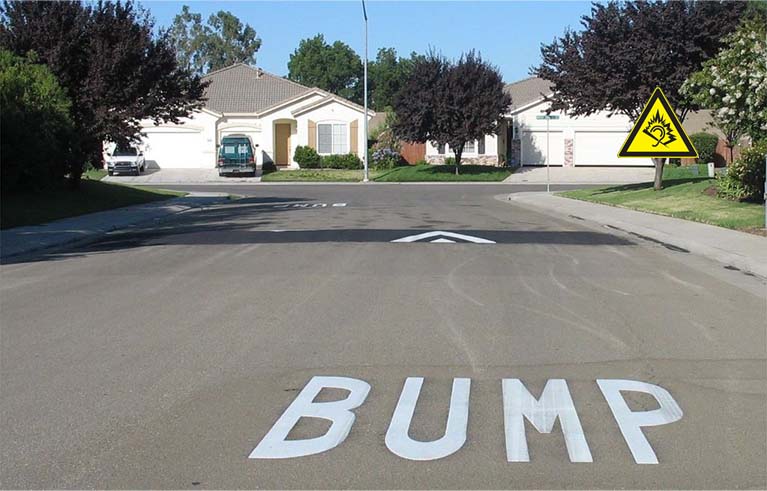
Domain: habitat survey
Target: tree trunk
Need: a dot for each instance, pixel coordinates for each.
(458, 152)
(659, 163)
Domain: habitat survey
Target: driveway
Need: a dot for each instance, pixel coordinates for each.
(582, 175)
(181, 176)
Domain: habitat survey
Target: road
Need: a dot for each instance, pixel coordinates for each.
(161, 357)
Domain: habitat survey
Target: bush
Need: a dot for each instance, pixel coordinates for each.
(36, 125)
(386, 158)
(450, 161)
(421, 162)
(307, 157)
(744, 180)
(348, 161)
(705, 144)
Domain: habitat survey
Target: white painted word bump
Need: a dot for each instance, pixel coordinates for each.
(519, 405)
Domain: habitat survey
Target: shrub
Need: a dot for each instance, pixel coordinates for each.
(307, 157)
(36, 125)
(744, 180)
(386, 158)
(347, 161)
(705, 144)
(421, 162)
(450, 161)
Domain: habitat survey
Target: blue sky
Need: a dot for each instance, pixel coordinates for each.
(508, 34)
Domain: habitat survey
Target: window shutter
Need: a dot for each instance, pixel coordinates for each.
(312, 134)
(481, 146)
(353, 137)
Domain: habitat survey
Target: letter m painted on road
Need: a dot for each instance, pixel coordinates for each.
(555, 402)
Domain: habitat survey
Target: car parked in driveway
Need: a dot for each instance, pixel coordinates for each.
(126, 160)
(236, 155)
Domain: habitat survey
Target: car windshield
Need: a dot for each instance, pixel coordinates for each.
(125, 152)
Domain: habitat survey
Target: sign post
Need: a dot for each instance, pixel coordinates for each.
(547, 117)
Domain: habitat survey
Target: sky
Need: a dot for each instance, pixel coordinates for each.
(508, 34)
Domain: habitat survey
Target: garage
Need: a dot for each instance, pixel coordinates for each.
(176, 150)
(533, 149)
(601, 148)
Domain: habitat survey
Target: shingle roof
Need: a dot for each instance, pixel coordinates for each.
(241, 88)
(526, 91)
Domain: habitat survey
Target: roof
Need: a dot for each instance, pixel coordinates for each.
(240, 88)
(527, 91)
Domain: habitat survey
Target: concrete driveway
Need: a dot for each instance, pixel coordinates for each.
(181, 176)
(582, 175)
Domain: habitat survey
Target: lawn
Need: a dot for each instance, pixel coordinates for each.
(33, 208)
(690, 199)
(317, 175)
(442, 173)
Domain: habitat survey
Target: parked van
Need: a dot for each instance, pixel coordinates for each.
(236, 155)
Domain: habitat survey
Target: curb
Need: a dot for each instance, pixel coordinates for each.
(728, 259)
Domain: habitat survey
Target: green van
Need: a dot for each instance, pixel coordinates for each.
(236, 155)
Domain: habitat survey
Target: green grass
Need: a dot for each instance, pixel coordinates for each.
(33, 208)
(316, 175)
(95, 174)
(680, 198)
(441, 173)
(684, 171)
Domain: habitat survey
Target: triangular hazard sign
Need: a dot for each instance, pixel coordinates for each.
(657, 132)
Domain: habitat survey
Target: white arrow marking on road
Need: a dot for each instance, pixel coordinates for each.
(339, 204)
(443, 241)
(427, 235)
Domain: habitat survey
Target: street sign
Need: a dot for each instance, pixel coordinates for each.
(547, 116)
(657, 132)
(444, 238)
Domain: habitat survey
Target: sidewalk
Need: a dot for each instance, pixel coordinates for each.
(582, 175)
(84, 228)
(735, 249)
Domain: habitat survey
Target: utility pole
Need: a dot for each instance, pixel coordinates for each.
(365, 83)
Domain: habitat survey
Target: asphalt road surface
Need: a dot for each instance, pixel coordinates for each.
(161, 357)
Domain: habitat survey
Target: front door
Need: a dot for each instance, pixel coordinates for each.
(282, 144)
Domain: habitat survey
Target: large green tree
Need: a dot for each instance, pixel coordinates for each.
(36, 124)
(332, 67)
(626, 49)
(450, 103)
(386, 76)
(734, 83)
(111, 65)
(222, 41)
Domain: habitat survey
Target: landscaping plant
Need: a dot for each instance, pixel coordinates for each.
(744, 180)
(705, 144)
(307, 158)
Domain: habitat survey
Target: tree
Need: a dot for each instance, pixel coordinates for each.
(450, 103)
(112, 67)
(225, 40)
(734, 84)
(627, 49)
(36, 124)
(386, 76)
(335, 67)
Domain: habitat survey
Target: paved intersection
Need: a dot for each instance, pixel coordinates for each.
(161, 357)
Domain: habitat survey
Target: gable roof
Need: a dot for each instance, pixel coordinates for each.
(240, 88)
(527, 91)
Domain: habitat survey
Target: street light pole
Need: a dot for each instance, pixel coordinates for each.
(548, 155)
(365, 117)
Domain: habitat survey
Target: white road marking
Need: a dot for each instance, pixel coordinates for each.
(400, 443)
(555, 402)
(339, 204)
(442, 241)
(275, 444)
(441, 235)
(631, 422)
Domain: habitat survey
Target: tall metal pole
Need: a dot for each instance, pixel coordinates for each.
(365, 155)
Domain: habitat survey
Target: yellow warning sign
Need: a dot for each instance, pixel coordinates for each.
(657, 132)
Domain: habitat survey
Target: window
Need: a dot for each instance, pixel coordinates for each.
(332, 138)
(441, 149)
(481, 146)
(470, 147)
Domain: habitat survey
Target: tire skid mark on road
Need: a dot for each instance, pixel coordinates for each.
(451, 283)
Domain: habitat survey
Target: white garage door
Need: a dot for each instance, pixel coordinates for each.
(176, 150)
(601, 148)
(534, 148)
